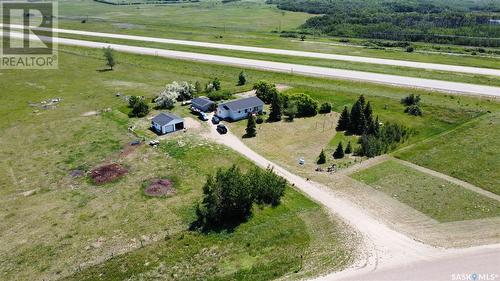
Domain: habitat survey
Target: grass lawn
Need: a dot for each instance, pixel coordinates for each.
(242, 22)
(470, 153)
(54, 222)
(437, 198)
(287, 142)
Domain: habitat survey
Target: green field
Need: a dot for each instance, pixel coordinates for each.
(57, 224)
(471, 152)
(437, 198)
(250, 23)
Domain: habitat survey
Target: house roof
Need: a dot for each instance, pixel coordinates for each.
(165, 118)
(201, 101)
(243, 103)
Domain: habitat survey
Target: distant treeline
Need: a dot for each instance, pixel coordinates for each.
(435, 21)
(142, 2)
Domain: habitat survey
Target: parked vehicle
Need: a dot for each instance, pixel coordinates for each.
(203, 116)
(215, 120)
(136, 142)
(221, 129)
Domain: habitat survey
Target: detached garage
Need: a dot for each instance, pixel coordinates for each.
(166, 122)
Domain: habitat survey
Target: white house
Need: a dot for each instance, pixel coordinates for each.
(240, 109)
(166, 122)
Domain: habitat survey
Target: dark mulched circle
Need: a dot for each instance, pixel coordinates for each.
(107, 173)
(159, 187)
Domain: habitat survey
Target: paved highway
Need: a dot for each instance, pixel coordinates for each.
(445, 86)
(432, 66)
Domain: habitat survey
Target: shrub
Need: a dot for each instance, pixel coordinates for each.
(259, 120)
(265, 91)
(414, 110)
(139, 109)
(325, 108)
(306, 106)
(213, 85)
(410, 49)
(411, 100)
(218, 96)
(175, 92)
(291, 111)
(242, 79)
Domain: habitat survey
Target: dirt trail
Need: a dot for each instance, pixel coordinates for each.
(384, 247)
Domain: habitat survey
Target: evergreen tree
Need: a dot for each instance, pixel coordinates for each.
(344, 120)
(362, 101)
(368, 113)
(242, 79)
(362, 124)
(376, 127)
(357, 123)
(275, 112)
(339, 152)
(348, 149)
(322, 158)
(250, 130)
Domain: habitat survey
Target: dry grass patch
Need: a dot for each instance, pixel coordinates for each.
(287, 142)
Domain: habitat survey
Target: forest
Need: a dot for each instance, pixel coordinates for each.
(460, 22)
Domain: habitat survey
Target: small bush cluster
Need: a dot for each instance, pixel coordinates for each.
(412, 103)
(139, 107)
(384, 140)
(228, 197)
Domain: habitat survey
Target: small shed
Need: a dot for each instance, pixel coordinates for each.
(202, 104)
(167, 122)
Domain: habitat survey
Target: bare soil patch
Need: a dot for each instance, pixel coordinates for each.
(107, 173)
(129, 149)
(76, 173)
(159, 187)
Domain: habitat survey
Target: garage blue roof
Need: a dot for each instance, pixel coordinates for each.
(164, 118)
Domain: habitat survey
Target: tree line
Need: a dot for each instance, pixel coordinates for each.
(437, 21)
